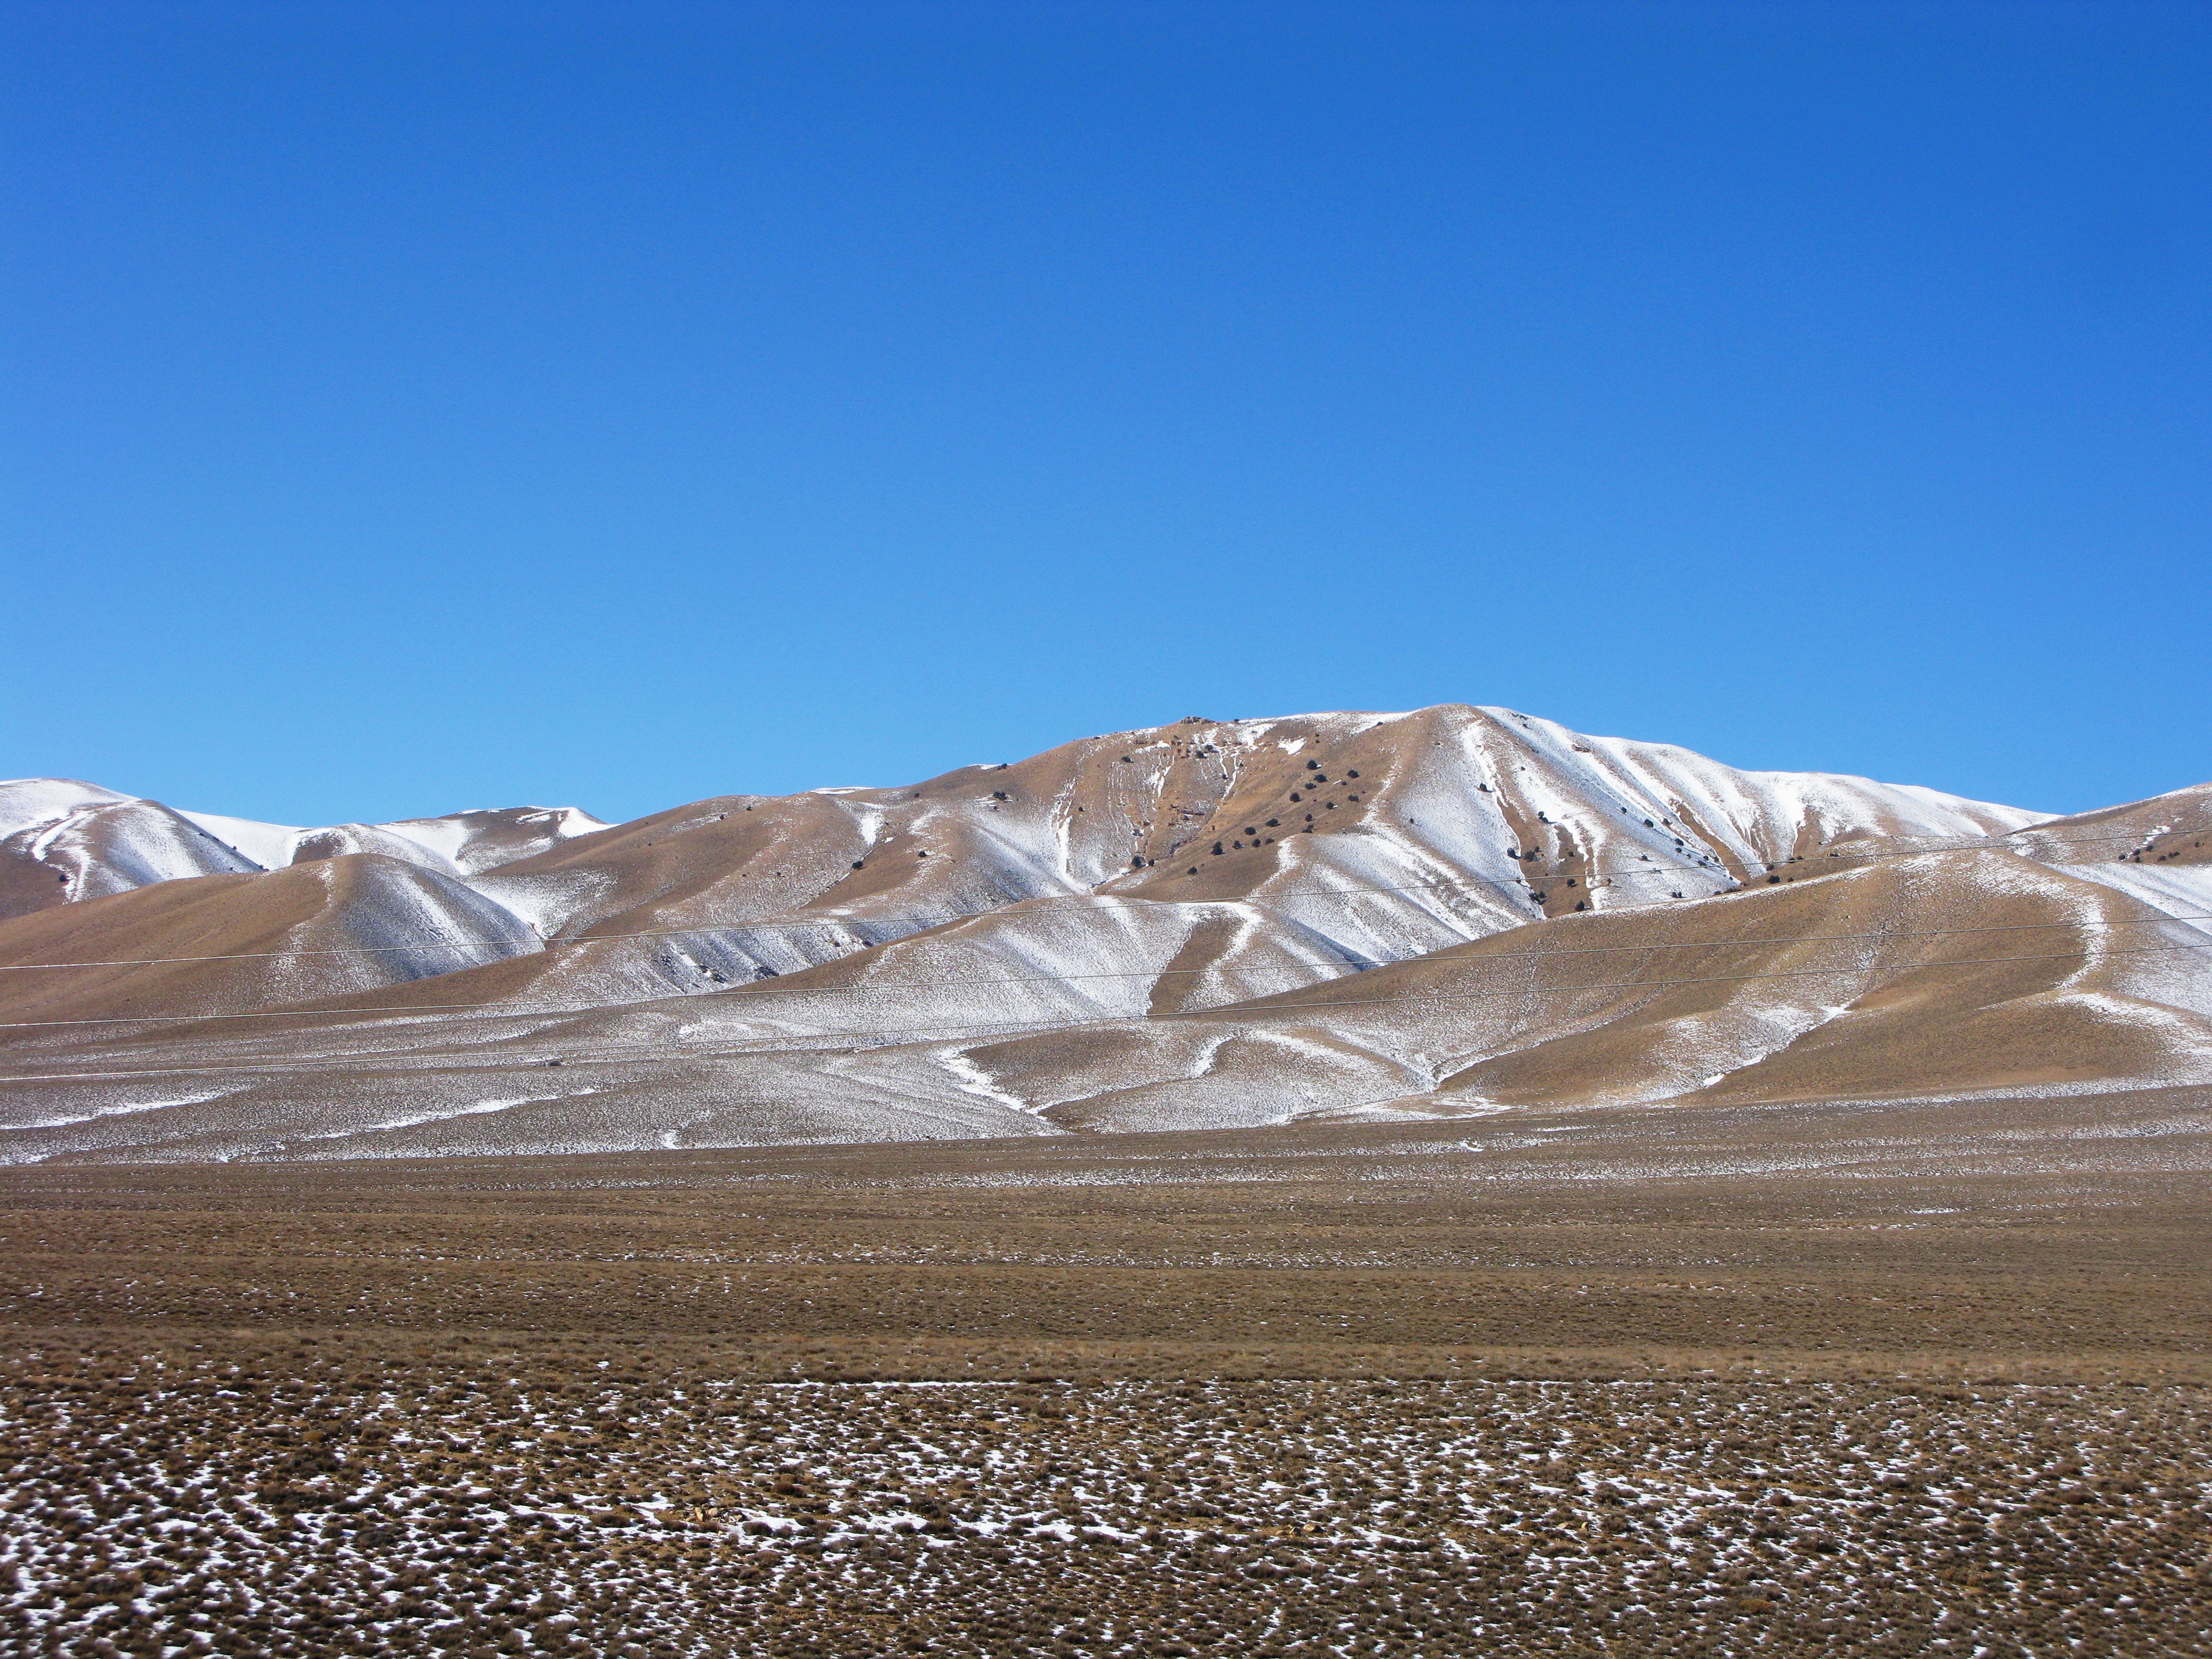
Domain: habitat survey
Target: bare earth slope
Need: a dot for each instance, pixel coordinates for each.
(1203, 925)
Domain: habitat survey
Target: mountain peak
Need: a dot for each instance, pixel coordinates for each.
(1322, 913)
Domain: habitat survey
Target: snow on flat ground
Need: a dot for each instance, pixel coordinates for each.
(455, 1508)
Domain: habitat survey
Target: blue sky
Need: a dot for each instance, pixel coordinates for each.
(409, 408)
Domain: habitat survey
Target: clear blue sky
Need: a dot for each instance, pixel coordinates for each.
(413, 407)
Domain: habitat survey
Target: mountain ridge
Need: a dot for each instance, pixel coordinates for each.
(893, 948)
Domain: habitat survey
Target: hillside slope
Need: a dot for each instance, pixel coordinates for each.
(1208, 923)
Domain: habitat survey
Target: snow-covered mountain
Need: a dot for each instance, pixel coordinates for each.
(1202, 923)
(62, 841)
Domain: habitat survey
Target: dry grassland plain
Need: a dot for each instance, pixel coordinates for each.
(1837, 1378)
